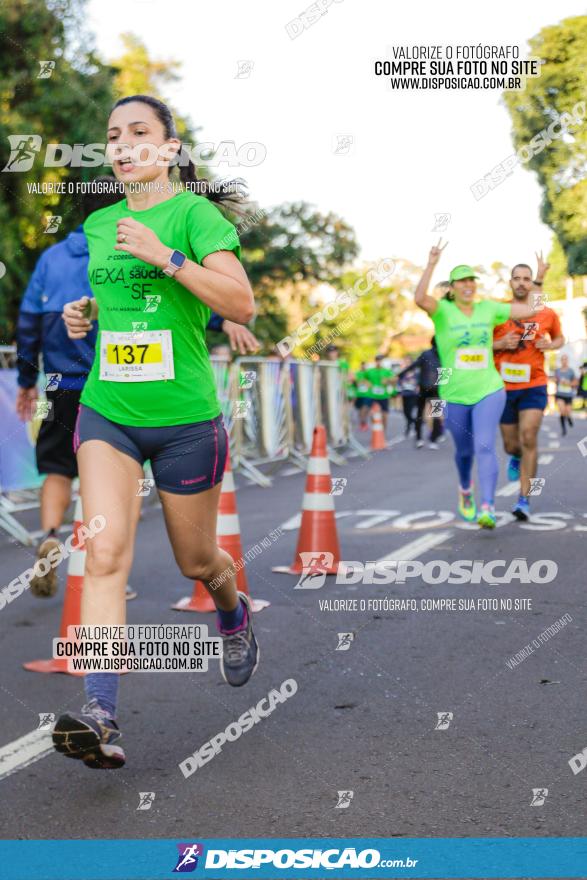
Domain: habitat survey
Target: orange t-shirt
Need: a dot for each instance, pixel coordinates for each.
(523, 367)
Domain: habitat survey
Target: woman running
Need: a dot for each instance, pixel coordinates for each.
(160, 261)
(566, 383)
(474, 393)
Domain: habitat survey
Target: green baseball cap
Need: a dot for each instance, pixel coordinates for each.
(460, 272)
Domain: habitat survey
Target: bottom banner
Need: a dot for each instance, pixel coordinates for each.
(442, 858)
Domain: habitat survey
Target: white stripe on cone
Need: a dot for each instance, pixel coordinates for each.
(77, 563)
(228, 524)
(228, 482)
(317, 467)
(317, 501)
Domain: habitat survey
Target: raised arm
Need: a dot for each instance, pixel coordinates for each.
(421, 297)
(524, 310)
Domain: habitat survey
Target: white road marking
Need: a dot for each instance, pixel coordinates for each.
(554, 444)
(415, 548)
(509, 489)
(545, 458)
(295, 521)
(380, 517)
(24, 751)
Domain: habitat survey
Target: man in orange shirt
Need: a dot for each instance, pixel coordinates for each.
(519, 356)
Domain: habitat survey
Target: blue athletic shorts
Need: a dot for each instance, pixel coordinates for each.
(383, 403)
(524, 398)
(185, 459)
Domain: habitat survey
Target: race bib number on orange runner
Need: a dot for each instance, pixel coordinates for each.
(515, 372)
(471, 359)
(136, 357)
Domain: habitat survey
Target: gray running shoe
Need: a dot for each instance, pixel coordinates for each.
(240, 654)
(89, 736)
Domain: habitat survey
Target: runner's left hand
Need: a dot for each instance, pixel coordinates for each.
(542, 265)
(543, 344)
(137, 239)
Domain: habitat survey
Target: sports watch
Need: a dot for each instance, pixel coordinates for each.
(175, 262)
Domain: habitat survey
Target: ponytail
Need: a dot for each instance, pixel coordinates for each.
(229, 193)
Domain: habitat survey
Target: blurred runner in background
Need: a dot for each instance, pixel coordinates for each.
(362, 385)
(566, 383)
(428, 366)
(380, 381)
(407, 386)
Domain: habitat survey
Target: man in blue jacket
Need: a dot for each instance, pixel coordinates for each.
(61, 274)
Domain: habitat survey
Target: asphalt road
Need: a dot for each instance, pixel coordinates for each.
(364, 719)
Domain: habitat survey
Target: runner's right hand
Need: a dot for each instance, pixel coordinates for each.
(25, 403)
(510, 340)
(75, 314)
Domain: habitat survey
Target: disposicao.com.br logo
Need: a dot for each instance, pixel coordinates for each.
(304, 859)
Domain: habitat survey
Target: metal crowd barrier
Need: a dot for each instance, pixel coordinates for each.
(279, 408)
(270, 408)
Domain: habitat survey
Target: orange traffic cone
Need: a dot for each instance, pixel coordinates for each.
(229, 539)
(318, 538)
(71, 614)
(377, 432)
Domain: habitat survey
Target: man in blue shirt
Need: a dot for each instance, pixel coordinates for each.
(61, 274)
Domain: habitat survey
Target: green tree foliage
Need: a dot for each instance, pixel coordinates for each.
(69, 107)
(139, 74)
(292, 244)
(561, 166)
(368, 326)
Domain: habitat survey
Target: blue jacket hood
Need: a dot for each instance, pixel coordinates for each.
(77, 243)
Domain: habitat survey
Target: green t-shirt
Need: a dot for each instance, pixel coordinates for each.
(362, 383)
(379, 379)
(465, 344)
(134, 296)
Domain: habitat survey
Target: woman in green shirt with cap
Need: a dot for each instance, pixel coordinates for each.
(473, 390)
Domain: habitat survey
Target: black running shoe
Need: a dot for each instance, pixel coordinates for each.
(240, 653)
(90, 737)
